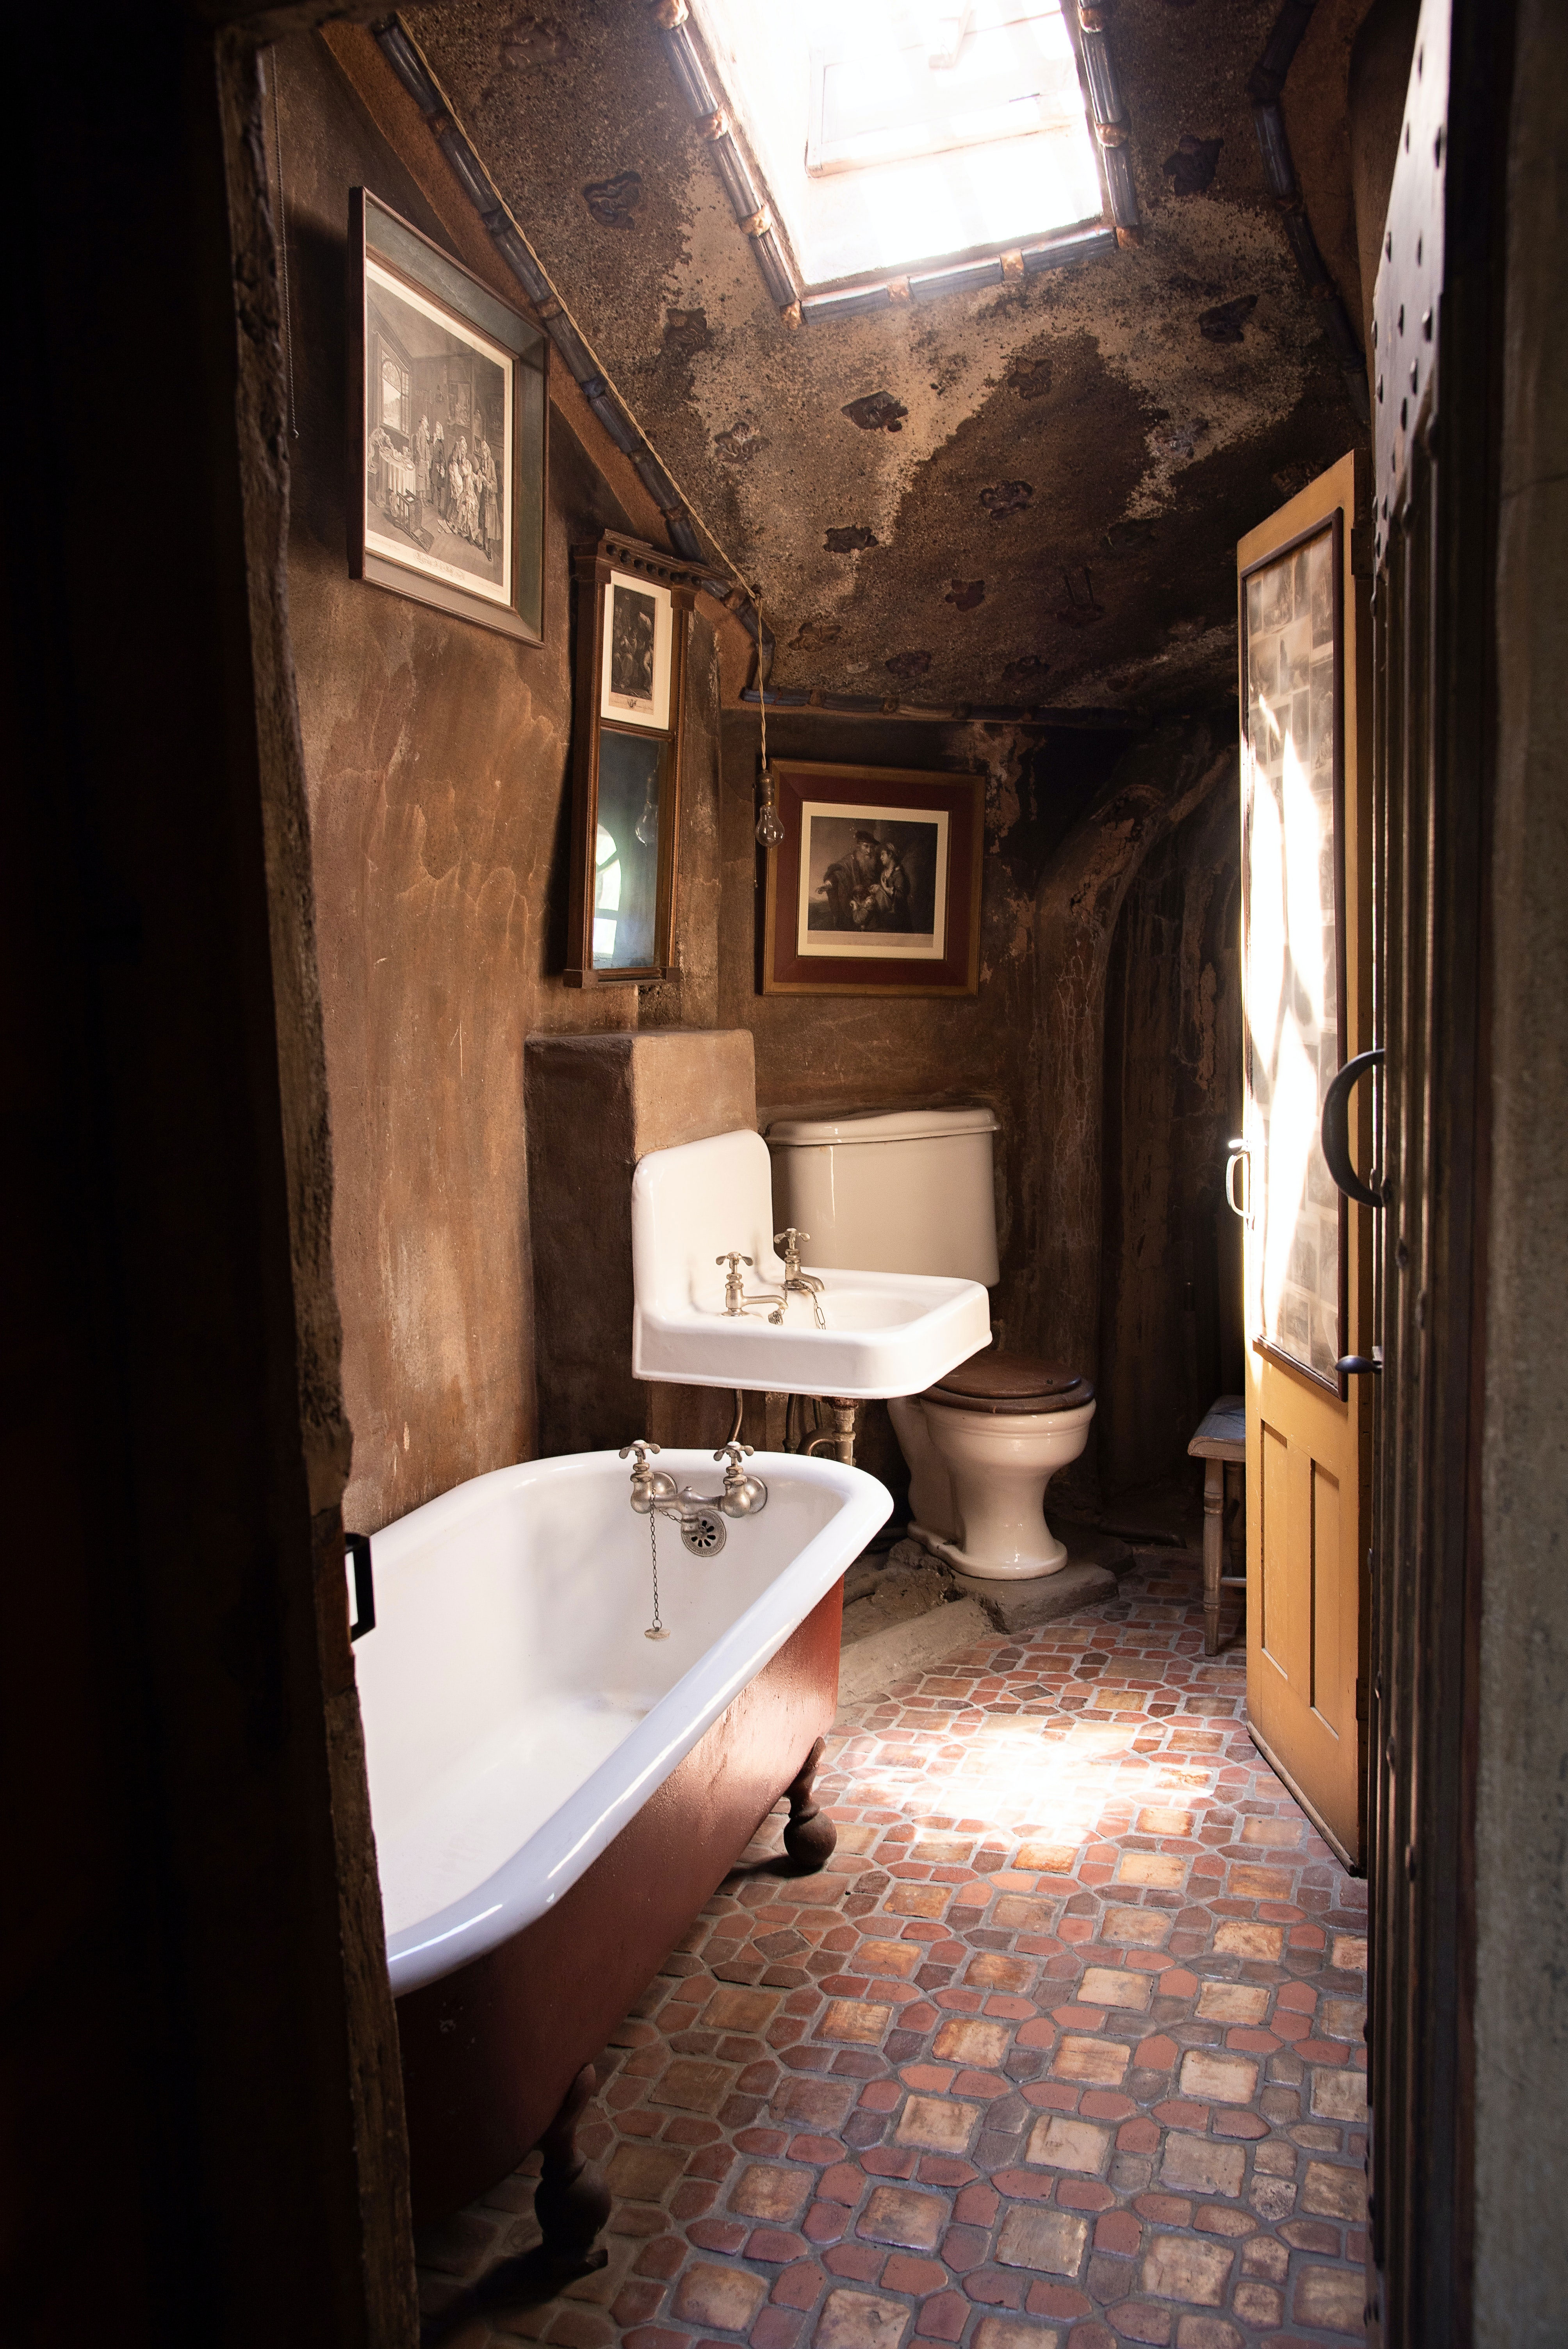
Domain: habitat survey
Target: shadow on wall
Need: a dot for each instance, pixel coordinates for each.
(1167, 781)
(1171, 1314)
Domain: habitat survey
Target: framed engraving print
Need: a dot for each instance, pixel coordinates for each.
(875, 888)
(447, 430)
(638, 625)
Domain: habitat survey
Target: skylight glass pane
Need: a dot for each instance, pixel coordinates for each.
(893, 134)
(877, 100)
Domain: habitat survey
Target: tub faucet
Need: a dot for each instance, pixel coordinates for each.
(655, 1494)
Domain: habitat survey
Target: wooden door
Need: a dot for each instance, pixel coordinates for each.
(1305, 897)
(1438, 326)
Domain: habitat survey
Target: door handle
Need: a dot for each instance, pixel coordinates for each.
(1240, 1156)
(1337, 1128)
(356, 1556)
(1353, 1366)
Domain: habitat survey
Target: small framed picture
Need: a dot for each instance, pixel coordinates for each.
(447, 430)
(638, 625)
(875, 888)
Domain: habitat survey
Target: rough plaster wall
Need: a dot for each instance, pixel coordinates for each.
(1078, 904)
(1521, 1826)
(1095, 387)
(1170, 1322)
(437, 759)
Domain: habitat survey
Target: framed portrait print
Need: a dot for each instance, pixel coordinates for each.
(875, 888)
(633, 607)
(446, 430)
(638, 627)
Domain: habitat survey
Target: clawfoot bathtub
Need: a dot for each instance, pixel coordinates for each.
(555, 1795)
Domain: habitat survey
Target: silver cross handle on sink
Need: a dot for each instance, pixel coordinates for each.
(736, 1300)
(796, 1282)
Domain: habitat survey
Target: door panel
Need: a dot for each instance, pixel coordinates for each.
(1307, 981)
(1438, 328)
(1280, 1621)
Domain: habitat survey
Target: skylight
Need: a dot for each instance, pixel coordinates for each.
(899, 132)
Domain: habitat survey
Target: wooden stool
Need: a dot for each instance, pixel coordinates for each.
(1221, 1444)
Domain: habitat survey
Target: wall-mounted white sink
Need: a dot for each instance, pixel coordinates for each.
(888, 1333)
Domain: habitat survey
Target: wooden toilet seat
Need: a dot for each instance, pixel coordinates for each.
(1022, 1385)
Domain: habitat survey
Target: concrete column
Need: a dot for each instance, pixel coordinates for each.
(594, 1106)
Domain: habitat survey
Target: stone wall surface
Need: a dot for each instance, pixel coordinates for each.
(1522, 1811)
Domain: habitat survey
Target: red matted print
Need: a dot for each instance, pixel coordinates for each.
(875, 889)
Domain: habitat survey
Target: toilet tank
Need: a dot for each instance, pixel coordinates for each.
(906, 1190)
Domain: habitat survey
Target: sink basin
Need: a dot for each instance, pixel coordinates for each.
(888, 1333)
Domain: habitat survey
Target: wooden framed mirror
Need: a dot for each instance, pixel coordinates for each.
(634, 607)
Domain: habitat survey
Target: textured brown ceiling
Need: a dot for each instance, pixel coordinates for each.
(1053, 521)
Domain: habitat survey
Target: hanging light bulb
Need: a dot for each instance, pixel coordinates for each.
(769, 829)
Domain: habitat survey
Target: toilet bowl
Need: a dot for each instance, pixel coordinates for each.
(982, 1445)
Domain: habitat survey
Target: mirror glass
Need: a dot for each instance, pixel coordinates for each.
(626, 850)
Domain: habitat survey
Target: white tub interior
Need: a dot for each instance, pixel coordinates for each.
(515, 1717)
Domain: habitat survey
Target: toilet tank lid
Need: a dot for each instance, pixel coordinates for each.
(864, 1125)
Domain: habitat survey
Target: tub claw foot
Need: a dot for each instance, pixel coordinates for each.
(572, 2202)
(809, 1838)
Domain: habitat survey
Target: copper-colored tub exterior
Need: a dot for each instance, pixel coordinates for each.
(490, 2051)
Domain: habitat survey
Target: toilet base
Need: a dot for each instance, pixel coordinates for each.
(978, 1483)
(1050, 1558)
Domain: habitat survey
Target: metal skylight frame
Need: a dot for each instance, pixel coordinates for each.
(700, 86)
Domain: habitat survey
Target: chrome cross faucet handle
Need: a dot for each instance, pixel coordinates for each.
(650, 1486)
(734, 1280)
(790, 1241)
(743, 1495)
(796, 1282)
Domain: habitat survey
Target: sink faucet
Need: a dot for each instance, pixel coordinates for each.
(796, 1282)
(736, 1300)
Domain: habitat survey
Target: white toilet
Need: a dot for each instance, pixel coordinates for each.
(912, 1191)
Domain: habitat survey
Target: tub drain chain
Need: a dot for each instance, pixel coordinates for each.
(655, 1630)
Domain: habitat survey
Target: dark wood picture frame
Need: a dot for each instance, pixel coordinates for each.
(1331, 526)
(380, 237)
(595, 570)
(869, 791)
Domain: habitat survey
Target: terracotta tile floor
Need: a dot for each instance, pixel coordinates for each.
(1062, 2050)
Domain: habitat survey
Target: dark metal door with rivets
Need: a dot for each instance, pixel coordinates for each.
(1435, 437)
